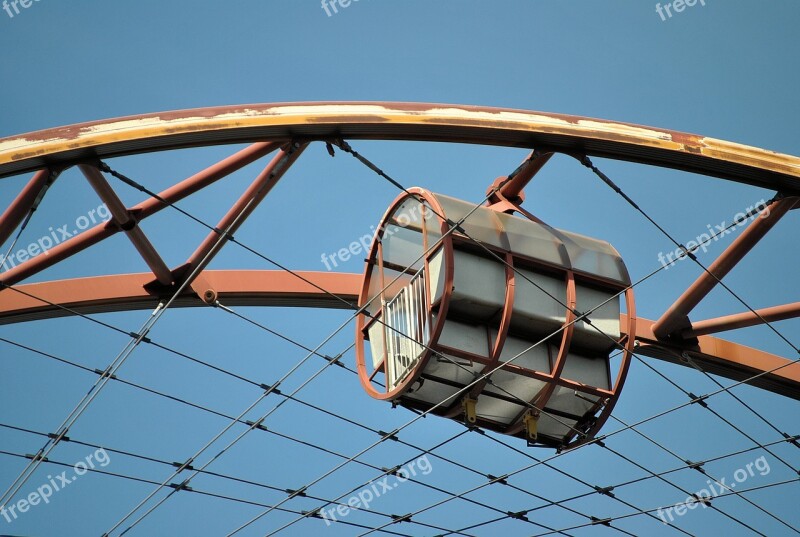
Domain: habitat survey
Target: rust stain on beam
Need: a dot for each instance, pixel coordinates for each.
(400, 121)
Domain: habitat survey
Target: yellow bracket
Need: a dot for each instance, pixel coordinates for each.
(469, 405)
(531, 422)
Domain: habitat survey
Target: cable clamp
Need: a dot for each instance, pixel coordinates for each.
(606, 491)
(294, 493)
(181, 466)
(695, 466)
(495, 479)
(58, 437)
(106, 373)
(391, 471)
(181, 486)
(792, 439)
(336, 360)
(389, 436)
(698, 400)
(270, 389)
(257, 424)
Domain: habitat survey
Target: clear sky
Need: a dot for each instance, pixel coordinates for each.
(726, 69)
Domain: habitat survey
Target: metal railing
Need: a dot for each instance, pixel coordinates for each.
(407, 329)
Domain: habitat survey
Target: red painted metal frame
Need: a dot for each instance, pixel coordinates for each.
(513, 189)
(147, 208)
(541, 399)
(502, 332)
(16, 211)
(552, 378)
(376, 258)
(125, 221)
(269, 126)
(724, 358)
(241, 209)
(675, 319)
(608, 398)
(125, 292)
(743, 320)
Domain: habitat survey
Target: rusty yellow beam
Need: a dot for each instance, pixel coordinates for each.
(400, 121)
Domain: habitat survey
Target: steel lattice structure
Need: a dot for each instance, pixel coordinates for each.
(283, 132)
(274, 127)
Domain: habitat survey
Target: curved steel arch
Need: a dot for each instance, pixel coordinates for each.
(399, 121)
(286, 129)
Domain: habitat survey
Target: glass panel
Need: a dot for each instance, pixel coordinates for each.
(391, 288)
(375, 333)
(532, 240)
(374, 290)
(437, 274)
(433, 226)
(408, 215)
(402, 248)
(481, 225)
(595, 257)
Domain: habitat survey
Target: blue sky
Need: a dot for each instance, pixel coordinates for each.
(725, 69)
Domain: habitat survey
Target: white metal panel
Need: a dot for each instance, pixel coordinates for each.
(465, 337)
(605, 319)
(525, 354)
(479, 286)
(536, 313)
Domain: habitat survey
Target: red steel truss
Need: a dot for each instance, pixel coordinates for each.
(287, 129)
